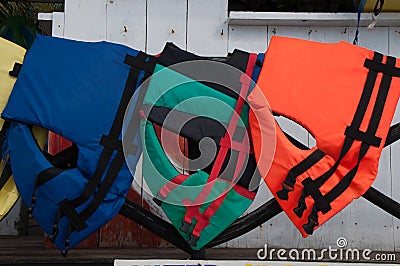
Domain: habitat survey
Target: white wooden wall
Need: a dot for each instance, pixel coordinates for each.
(202, 26)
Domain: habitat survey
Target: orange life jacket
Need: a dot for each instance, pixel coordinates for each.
(345, 96)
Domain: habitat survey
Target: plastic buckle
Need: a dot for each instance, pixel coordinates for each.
(283, 194)
(193, 240)
(312, 223)
(185, 227)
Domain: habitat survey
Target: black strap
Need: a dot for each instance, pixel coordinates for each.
(105, 186)
(363, 136)
(137, 64)
(393, 135)
(305, 165)
(116, 127)
(5, 175)
(290, 180)
(111, 143)
(119, 159)
(47, 175)
(134, 123)
(379, 105)
(348, 142)
(378, 10)
(15, 71)
(382, 68)
(64, 159)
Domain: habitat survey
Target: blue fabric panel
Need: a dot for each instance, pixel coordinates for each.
(73, 89)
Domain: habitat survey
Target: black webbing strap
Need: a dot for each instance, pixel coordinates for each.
(393, 135)
(119, 159)
(110, 143)
(134, 123)
(47, 175)
(382, 68)
(290, 180)
(115, 131)
(61, 162)
(64, 159)
(348, 141)
(5, 175)
(306, 164)
(345, 182)
(15, 71)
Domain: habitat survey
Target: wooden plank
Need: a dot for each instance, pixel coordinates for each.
(302, 19)
(126, 23)
(85, 20)
(58, 24)
(166, 22)
(394, 50)
(371, 227)
(281, 232)
(339, 225)
(207, 28)
(248, 38)
(121, 232)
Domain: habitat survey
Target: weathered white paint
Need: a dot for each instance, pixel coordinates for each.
(166, 22)
(201, 28)
(310, 19)
(126, 22)
(85, 20)
(58, 24)
(364, 215)
(207, 27)
(394, 50)
(239, 37)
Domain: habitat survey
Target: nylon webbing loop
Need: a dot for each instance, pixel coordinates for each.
(377, 112)
(16, 69)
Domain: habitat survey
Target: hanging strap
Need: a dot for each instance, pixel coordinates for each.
(359, 11)
(365, 139)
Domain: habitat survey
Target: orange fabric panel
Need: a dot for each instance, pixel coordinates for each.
(319, 86)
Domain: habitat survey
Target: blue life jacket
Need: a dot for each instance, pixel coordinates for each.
(80, 91)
